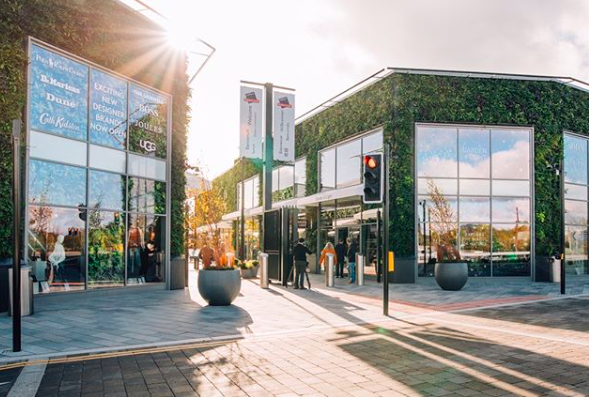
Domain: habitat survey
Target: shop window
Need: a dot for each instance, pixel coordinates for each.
(349, 164)
(511, 154)
(437, 152)
(146, 196)
(147, 122)
(327, 167)
(146, 167)
(372, 143)
(56, 247)
(474, 153)
(107, 191)
(106, 249)
(145, 249)
(51, 183)
(300, 177)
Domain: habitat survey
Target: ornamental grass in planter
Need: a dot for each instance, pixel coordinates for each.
(248, 269)
(219, 282)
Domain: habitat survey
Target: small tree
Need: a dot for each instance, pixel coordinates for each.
(444, 226)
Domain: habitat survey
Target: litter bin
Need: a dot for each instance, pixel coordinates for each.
(555, 267)
(26, 291)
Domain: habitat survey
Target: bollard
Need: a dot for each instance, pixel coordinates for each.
(329, 271)
(264, 271)
(360, 270)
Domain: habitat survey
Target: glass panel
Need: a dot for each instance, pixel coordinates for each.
(474, 209)
(107, 191)
(106, 249)
(575, 159)
(147, 168)
(249, 193)
(256, 192)
(252, 237)
(145, 248)
(147, 196)
(511, 188)
(512, 210)
(575, 192)
(437, 152)
(349, 164)
(576, 249)
(275, 184)
(51, 183)
(56, 246)
(300, 177)
(147, 121)
(327, 215)
(511, 250)
(511, 153)
(437, 186)
(372, 143)
(108, 159)
(475, 187)
(328, 169)
(475, 249)
(51, 147)
(439, 209)
(286, 176)
(575, 212)
(474, 153)
(108, 110)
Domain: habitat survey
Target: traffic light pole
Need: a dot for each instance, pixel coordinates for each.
(16, 312)
(385, 205)
(242, 220)
(268, 147)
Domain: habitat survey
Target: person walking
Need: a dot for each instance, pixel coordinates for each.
(300, 253)
(327, 250)
(352, 261)
(340, 252)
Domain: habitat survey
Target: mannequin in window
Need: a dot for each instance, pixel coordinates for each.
(56, 259)
(135, 246)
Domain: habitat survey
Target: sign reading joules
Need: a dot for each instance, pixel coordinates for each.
(70, 98)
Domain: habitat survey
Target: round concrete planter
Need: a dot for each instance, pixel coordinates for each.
(219, 287)
(451, 276)
(250, 273)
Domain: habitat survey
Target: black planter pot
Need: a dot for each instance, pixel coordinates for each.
(451, 276)
(219, 287)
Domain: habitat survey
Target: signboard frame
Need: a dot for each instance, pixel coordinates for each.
(129, 81)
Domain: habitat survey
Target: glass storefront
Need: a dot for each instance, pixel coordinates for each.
(474, 199)
(96, 177)
(576, 206)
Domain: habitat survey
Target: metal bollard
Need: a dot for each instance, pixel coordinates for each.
(329, 271)
(264, 281)
(360, 270)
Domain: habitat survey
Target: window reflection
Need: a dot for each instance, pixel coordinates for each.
(107, 191)
(147, 196)
(106, 249)
(145, 248)
(511, 250)
(439, 209)
(328, 169)
(475, 209)
(300, 177)
(372, 143)
(475, 187)
(474, 153)
(575, 159)
(349, 163)
(576, 192)
(56, 247)
(511, 154)
(575, 212)
(513, 210)
(437, 152)
(442, 186)
(475, 247)
(576, 250)
(51, 183)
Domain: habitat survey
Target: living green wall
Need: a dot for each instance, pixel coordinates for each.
(110, 35)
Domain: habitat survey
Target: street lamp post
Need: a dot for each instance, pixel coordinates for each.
(16, 312)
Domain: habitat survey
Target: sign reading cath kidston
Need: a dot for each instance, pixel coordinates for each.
(284, 123)
(250, 123)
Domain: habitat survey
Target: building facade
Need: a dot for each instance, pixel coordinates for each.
(473, 171)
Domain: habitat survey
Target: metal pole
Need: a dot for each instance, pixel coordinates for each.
(424, 237)
(242, 220)
(360, 270)
(385, 296)
(378, 247)
(562, 230)
(329, 276)
(268, 149)
(16, 287)
(264, 271)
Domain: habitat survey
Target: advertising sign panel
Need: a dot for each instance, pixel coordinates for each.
(147, 121)
(108, 110)
(58, 94)
(250, 123)
(284, 123)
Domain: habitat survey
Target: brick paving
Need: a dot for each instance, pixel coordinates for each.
(536, 349)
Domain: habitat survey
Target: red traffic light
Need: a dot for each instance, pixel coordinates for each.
(370, 162)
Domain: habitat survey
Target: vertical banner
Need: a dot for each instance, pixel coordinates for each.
(284, 123)
(250, 123)
(108, 110)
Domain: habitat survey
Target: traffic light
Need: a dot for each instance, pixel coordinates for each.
(373, 179)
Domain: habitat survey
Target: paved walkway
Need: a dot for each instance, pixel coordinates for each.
(90, 323)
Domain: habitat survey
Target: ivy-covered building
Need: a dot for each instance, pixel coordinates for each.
(473, 172)
(104, 99)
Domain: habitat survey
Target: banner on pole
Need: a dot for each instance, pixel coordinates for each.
(250, 123)
(284, 125)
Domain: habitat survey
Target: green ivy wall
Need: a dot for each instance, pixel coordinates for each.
(110, 35)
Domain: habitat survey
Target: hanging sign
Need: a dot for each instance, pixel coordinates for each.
(250, 123)
(284, 123)
(58, 94)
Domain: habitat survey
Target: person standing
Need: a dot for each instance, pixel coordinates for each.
(340, 253)
(352, 251)
(300, 253)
